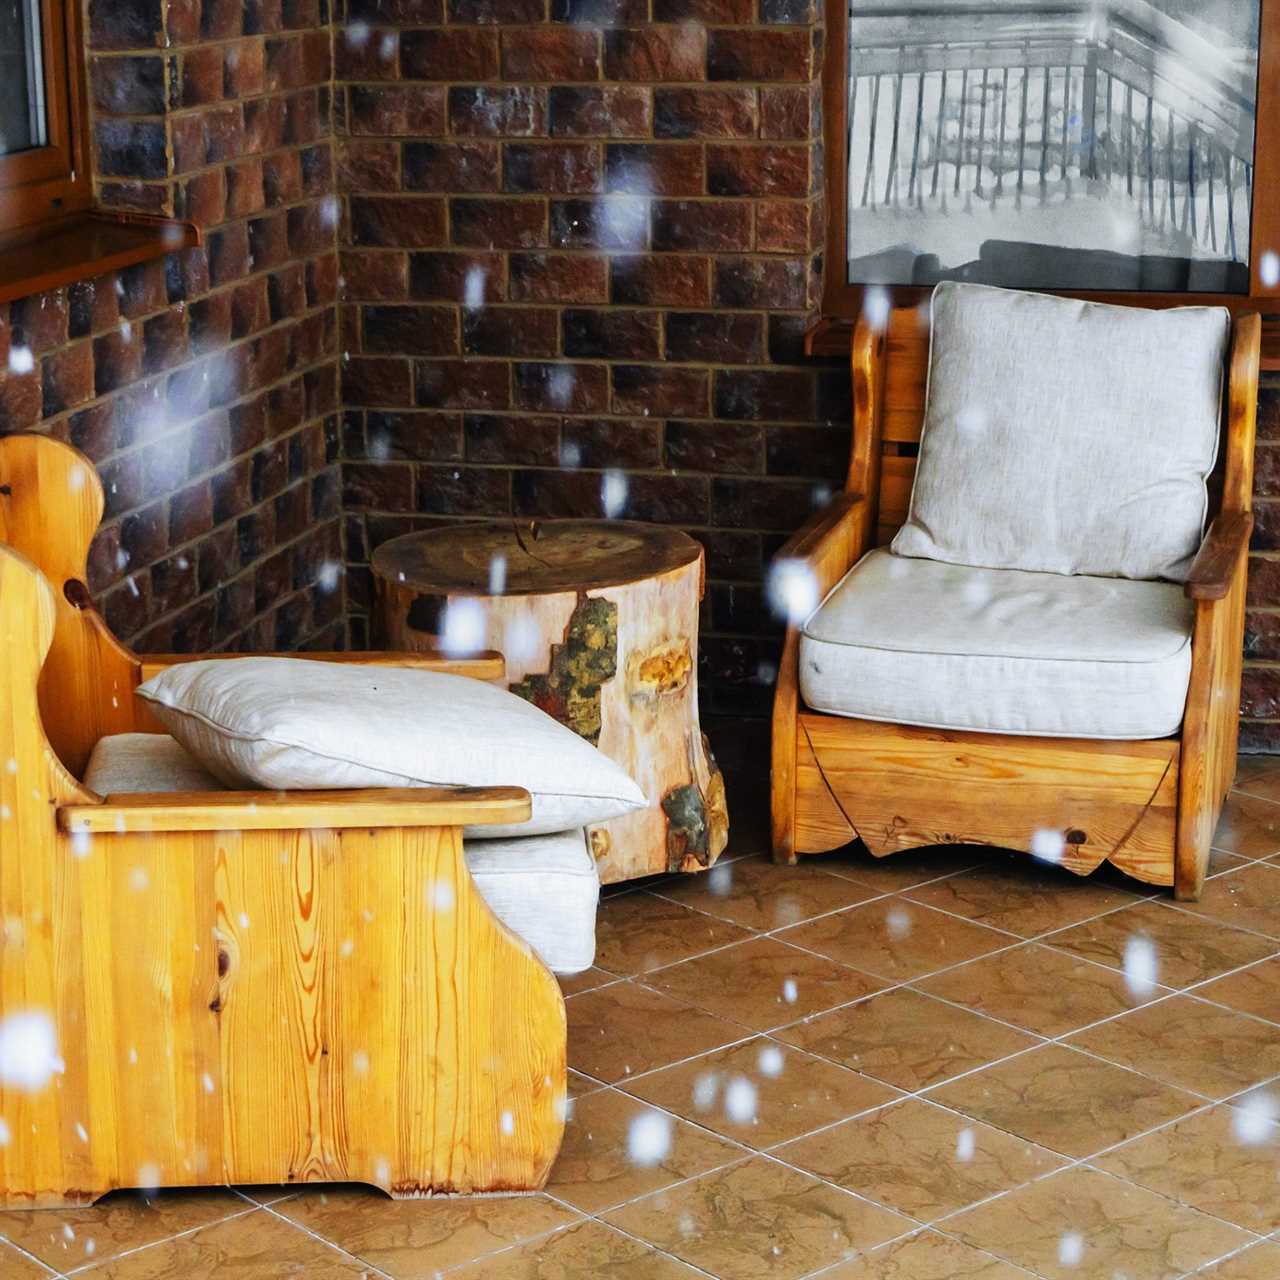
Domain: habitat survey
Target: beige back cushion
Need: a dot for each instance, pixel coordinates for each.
(1063, 436)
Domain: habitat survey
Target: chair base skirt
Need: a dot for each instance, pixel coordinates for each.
(1076, 802)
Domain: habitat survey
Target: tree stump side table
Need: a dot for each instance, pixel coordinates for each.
(598, 622)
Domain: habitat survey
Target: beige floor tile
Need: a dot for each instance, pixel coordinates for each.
(588, 980)
(896, 939)
(1248, 898)
(1190, 1044)
(763, 983)
(755, 893)
(907, 1039)
(1043, 990)
(257, 1246)
(920, 1159)
(591, 1251)
(1024, 896)
(925, 1256)
(638, 931)
(17, 1266)
(1173, 947)
(65, 1238)
(1082, 1223)
(1065, 1101)
(904, 870)
(1223, 1161)
(414, 1239)
(624, 1029)
(617, 1149)
(1261, 1262)
(759, 1219)
(761, 1092)
(1254, 990)
(1250, 824)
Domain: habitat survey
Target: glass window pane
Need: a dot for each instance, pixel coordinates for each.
(23, 124)
(1067, 146)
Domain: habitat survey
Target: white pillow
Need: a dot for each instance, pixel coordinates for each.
(289, 724)
(1063, 436)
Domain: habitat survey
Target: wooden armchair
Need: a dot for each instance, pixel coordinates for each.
(236, 987)
(1149, 807)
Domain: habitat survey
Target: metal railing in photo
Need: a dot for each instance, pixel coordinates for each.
(1053, 103)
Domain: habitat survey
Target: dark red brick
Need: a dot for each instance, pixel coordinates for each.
(759, 54)
(128, 86)
(472, 278)
(607, 111)
(456, 167)
(397, 110)
(612, 222)
(773, 394)
(463, 384)
(768, 283)
(758, 170)
(556, 167)
(414, 331)
(444, 490)
(377, 381)
(701, 225)
(416, 437)
(714, 446)
(601, 12)
(410, 222)
(655, 53)
(490, 111)
(511, 11)
(558, 277)
(498, 224)
(549, 54)
(660, 280)
(561, 387)
(369, 167)
(450, 53)
(715, 337)
(610, 442)
(664, 169)
(716, 12)
(660, 391)
(512, 440)
(705, 113)
(510, 331)
(611, 334)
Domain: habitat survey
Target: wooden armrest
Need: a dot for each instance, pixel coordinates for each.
(486, 665)
(1220, 552)
(828, 542)
(298, 810)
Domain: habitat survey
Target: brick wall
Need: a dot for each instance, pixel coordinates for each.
(579, 247)
(204, 385)
(1260, 728)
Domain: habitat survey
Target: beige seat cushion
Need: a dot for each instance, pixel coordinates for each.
(544, 888)
(922, 642)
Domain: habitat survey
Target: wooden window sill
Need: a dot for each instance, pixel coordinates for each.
(33, 259)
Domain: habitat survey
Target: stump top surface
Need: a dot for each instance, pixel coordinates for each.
(541, 556)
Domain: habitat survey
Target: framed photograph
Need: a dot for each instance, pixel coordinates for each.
(1111, 146)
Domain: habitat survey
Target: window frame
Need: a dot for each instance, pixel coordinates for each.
(843, 302)
(52, 181)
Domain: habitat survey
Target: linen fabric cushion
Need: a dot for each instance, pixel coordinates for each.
(1063, 436)
(1000, 650)
(290, 724)
(543, 888)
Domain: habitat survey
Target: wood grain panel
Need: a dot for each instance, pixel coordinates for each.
(901, 787)
(906, 373)
(283, 1005)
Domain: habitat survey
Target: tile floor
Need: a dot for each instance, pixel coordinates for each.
(943, 1066)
